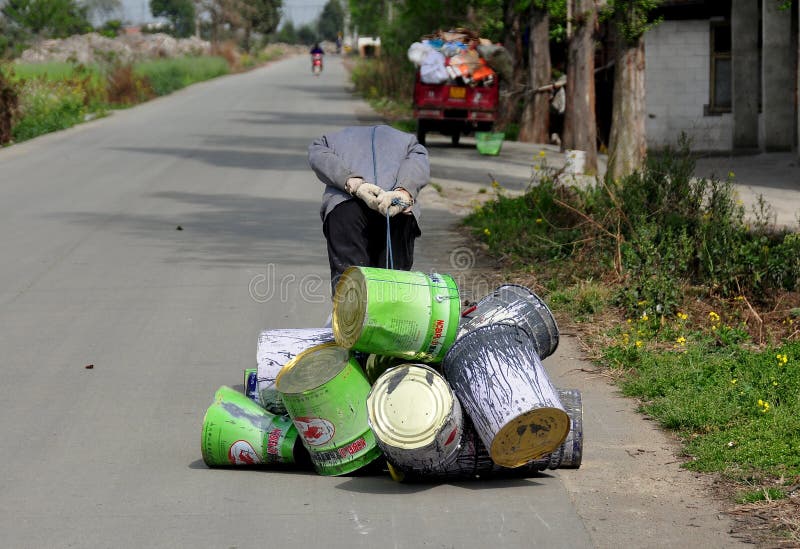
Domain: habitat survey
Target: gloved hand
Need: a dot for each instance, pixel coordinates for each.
(352, 184)
(394, 202)
(369, 193)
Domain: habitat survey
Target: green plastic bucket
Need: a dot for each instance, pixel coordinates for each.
(325, 392)
(237, 431)
(405, 314)
(489, 143)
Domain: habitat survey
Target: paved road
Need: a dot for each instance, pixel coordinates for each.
(133, 244)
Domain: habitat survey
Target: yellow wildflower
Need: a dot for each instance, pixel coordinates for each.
(731, 175)
(713, 316)
(733, 381)
(539, 219)
(782, 358)
(681, 340)
(683, 316)
(645, 317)
(542, 154)
(487, 232)
(639, 343)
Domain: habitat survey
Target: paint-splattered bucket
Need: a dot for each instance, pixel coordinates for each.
(416, 418)
(474, 462)
(277, 347)
(500, 381)
(570, 453)
(514, 304)
(325, 392)
(405, 314)
(250, 384)
(237, 431)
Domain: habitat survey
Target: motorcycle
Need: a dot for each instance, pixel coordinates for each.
(316, 64)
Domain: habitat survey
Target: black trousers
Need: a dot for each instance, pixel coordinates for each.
(356, 235)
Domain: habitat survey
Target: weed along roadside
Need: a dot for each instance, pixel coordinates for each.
(689, 302)
(46, 96)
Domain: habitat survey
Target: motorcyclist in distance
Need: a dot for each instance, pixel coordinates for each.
(316, 49)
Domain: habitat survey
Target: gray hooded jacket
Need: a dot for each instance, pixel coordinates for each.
(398, 161)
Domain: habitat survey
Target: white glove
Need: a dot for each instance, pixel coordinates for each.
(394, 202)
(352, 184)
(369, 193)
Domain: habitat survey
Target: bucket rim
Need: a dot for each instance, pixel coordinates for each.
(348, 278)
(292, 364)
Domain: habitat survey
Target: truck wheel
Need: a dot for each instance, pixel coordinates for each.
(455, 138)
(421, 133)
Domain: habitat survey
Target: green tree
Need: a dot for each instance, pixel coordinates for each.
(47, 18)
(331, 20)
(367, 17)
(306, 35)
(287, 33)
(180, 14)
(261, 16)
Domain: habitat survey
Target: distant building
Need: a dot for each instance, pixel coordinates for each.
(725, 73)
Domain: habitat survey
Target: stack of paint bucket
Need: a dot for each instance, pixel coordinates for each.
(390, 379)
(489, 409)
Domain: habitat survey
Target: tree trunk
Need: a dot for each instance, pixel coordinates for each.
(627, 143)
(248, 31)
(580, 125)
(511, 91)
(535, 124)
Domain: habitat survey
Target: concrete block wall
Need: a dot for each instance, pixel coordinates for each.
(677, 62)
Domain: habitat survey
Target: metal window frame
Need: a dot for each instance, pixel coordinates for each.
(714, 56)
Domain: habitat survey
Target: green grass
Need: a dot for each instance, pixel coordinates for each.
(643, 263)
(168, 75)
(737, 409)
(56, 96)
(52, 71)
(47, 108)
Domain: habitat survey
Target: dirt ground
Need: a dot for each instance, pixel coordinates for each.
(631, 473)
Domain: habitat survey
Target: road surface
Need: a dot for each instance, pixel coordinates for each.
(141, 256)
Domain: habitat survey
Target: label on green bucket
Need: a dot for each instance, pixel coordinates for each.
(332, 420)
(237, 431)
(409, 314)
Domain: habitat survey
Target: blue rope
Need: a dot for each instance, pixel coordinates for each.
(389, 258)
(389, 255)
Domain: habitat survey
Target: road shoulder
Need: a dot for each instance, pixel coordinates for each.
(630, 490)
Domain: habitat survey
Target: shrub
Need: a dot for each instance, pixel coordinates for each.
(47, 107)
(9, 103)
(167, 75)
(659, 230)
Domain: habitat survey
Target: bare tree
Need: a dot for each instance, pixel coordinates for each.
(580, 125)
(628, 139)
(535, 123)
(512, 89)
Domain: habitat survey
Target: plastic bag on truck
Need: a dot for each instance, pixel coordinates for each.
(417, 53)
(433, 70)
(499, 59)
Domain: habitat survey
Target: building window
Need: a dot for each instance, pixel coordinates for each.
(721, 79)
